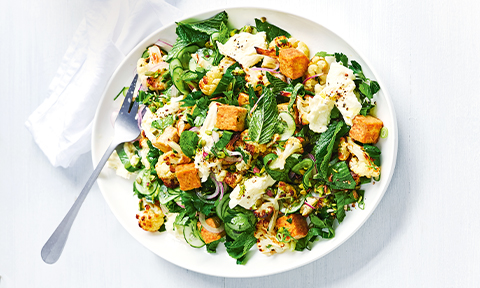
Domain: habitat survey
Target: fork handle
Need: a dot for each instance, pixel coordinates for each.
(53, 248)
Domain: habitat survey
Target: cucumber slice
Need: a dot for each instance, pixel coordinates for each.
(176, 71)
(185, 55)
(140, 184)
(190, 233)
(221, 204)
(294, 206)
(124, 158)
(288, 119)
(192, 65)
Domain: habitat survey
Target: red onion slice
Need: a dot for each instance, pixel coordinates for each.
(163, 42)
(194, 129)
(309, 205)
(180, 204)
(141, 113)
(160, 66)
(318, 75)
(209, 228)
(217, 188)
(265, 69)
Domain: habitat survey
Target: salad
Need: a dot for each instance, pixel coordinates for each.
(249, 139)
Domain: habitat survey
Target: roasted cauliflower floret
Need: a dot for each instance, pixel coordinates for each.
(256, 77)
(286, 190)
(303, 106)
(305, 210)
(165, 167)
(267, 242)
(265, 210)
(280, 42)
(150, 219)
(299, 45)
(317, 66)
(270, 63)
(225, 63)
(293, 145)
(361, 164)
(210, 81)
(343, 152)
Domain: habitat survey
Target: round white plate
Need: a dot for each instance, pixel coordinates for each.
(118, 192)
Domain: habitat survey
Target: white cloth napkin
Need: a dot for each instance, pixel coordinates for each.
(62, 124)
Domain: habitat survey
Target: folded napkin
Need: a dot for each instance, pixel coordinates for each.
(62, 124)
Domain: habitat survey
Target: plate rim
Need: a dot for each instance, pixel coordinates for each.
(276, 10)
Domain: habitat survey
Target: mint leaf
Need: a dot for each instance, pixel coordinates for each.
(210, 25)
(270, 30)
(262, 123)
(276, 84)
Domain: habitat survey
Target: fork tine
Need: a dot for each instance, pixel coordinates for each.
(128, 98)
(134, 107)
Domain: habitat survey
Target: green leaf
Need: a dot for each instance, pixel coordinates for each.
(270, 30)
(323, 54)
(280, 175)
(239, 247)
(262, 123)
(373, 152)
(365, 89)
(227, 78)
(343, 198)
(163, 123)
(325, 145)
(223, 36)
(374, 87)
(341, 177)
(210, 25)
(340, 57)
(276, 84)
(212, 246)
(188, 143)
(223, 141)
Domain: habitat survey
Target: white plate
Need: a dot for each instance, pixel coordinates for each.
(118, 192)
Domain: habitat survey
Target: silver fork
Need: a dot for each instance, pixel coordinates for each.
(125, 129)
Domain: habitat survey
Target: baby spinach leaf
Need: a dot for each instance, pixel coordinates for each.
(280, 175)
(343, 198)
(188, 143)
(325, 145)
(373, 152)
(270, 30)
(341, 177)
(222, 143)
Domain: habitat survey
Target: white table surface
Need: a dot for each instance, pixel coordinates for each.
(424, 233)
